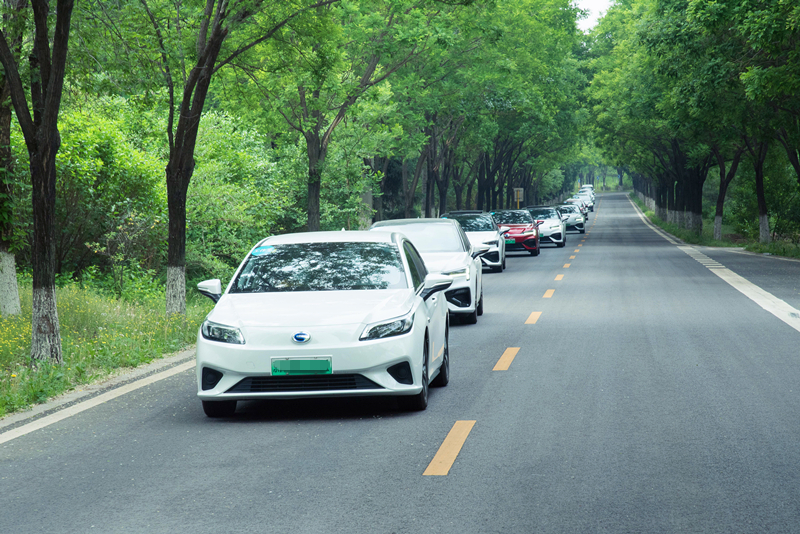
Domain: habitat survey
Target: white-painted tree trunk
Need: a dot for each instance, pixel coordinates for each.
(694, 222)
(9, 291)
(661, 213)
(176, 290)
(672, 217)
(718, 227)
(763, 229)
(46, 340)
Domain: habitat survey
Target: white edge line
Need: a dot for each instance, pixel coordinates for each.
(769, 302)
(651, 225)
(91, 403)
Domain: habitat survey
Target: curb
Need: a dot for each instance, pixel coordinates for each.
(87, 391)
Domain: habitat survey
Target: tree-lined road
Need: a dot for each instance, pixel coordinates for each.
(648, 396)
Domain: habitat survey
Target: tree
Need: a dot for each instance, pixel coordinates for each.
(48, 60)
(225, 31)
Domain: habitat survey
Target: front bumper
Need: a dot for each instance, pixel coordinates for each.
(358, 367)
(526, 243)
(460, 297)
(554, 237)
(492, 258)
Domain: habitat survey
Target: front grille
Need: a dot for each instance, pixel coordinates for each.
(270, 384)
(493, 257)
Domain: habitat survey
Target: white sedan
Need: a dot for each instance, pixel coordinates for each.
(447, 250)
(325, 314)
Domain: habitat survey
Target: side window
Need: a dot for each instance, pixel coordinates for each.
(416, 260)
(464, 240)
(413, 268)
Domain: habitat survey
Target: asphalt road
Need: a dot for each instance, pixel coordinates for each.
(650, 395)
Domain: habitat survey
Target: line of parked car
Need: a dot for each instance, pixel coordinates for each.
(367, 313)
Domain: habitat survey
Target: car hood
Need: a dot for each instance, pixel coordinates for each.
(311, 308)
(478, 238)
(442, 262)
(519, 228)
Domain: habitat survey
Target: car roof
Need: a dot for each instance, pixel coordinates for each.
(401, 222)
(331, 237)
(465, 212)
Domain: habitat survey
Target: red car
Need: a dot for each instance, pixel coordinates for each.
(523, 234)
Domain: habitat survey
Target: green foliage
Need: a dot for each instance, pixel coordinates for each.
(100, 334)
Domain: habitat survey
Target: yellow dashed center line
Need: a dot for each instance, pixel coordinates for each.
(572, 257)
(549, 293)
(448, 452)
(577, 250)
(532, 318)
(505, 360)
(566, 265)
(559, 277)
(580, 245)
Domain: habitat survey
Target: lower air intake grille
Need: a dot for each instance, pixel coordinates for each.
(269, 384)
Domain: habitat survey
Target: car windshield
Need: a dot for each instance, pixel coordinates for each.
(474, 223)
(429, 237)
(543, 213)
(512, 217)
(568, 208)
(321, 267)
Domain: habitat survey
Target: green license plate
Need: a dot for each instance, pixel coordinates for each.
(510, 241)
(318, 366)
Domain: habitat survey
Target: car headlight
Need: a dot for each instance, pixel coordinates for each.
(555, 227)
(491, 243)
(220, 332)
(460, 272)
(388, 328)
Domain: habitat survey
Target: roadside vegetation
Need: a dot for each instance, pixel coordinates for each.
(100, 334)
(730, 238)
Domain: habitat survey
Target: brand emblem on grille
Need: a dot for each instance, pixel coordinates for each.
(301, 337)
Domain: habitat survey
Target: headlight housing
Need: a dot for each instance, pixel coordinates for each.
(388, 328)
(221, 333)
(491, 243)
(460, 272)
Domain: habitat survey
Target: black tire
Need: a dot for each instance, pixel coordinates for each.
(479, 307)
(443, 378)
(470, 318)
(583, 231)
(562, 244)
(534, 252)
(219, 408)
(418, 402)
(504, 262)
(498, 269)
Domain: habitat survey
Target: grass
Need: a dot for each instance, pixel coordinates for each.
(729, 239)
(99, 334)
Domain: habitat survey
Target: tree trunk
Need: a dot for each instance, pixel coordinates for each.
(725, 179)
(46, 333)
(177, 188)
(9, 289)
(758, 151)
(316, 158)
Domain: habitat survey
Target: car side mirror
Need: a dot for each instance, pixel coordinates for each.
(564, 217)
(435, 283)
(211, 288)
(504, 229)
(537, 224)
(479, 250)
